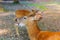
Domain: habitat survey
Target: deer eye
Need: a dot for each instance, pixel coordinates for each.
(24, 17)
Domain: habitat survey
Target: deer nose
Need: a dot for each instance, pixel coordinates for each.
(16, 20)
(20, 24)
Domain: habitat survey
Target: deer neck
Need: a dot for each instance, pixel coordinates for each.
(32, 29)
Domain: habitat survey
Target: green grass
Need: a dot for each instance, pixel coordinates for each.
(40, 7)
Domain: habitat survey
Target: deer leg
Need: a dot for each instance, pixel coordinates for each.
(17, 30)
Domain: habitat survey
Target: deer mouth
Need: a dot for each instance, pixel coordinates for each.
(20, 24)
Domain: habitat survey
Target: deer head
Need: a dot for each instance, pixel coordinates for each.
(22, 21)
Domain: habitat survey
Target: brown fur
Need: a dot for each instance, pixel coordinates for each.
(21, 13)
(36, 34)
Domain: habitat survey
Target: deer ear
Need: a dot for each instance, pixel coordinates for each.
(38, 17)
(39, 12)
(35, 11)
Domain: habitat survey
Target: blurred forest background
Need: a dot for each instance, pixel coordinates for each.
(49, 22)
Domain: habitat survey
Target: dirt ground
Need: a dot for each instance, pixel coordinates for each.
(7, 23)
(49, 22)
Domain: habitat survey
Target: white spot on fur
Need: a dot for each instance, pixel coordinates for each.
(21, 24)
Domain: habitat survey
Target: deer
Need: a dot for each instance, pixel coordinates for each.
(20, 14)
(33, 30)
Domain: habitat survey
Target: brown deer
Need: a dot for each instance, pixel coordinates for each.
(20, 14)
(33, 31)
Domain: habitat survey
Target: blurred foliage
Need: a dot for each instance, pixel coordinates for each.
(5, 10)
(16, 2)
(40, 7)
